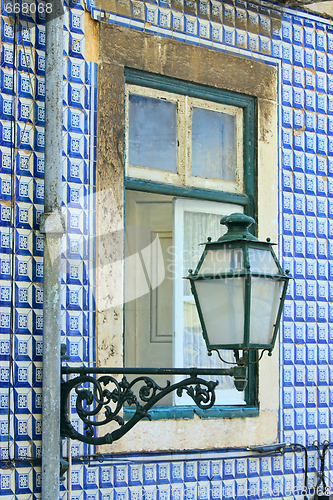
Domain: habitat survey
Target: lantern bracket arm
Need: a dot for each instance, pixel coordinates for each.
(98, 396)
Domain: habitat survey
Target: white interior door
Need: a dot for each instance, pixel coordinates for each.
(148, 283)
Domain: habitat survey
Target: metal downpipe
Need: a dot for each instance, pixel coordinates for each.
(52, 226)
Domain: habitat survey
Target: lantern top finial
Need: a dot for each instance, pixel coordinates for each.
(237, 225)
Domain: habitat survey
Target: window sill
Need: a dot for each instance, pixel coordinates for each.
(188, 412)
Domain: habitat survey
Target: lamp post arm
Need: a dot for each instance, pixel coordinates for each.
(193, 372)
(100, 400)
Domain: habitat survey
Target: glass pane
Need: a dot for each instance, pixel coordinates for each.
(223, 261)
(213, 144)
(152, 133)
(195, 350)
(222, 307)
(262, 261)
(265, 301)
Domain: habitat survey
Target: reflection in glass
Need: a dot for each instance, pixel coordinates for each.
(223, 261)
(152, 133)
(262, 261)
(213, 144)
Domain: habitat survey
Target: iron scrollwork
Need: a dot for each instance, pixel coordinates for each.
(100, 399)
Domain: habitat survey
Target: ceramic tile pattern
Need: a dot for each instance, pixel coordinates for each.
(301, 46)
(22, 110)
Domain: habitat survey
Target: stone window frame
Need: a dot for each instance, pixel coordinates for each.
(122, 48)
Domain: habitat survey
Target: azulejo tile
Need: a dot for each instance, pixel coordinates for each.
(6, 107)
(298, 119)
(287, 181)
(287, 138)
(25, 136)
(287, 72)
(7, 481)
(309, 58)
(77, 146)
(287, 95)
(105, 477)
(77, 173)
(77, 349)
(76, 21)
(40, 37)
(23, 348)
(287, 160)
(121, 475)
(37, 212)
(298, 56)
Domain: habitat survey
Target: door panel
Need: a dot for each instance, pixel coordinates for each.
(148, 279)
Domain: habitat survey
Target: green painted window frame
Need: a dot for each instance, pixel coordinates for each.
(248, 200)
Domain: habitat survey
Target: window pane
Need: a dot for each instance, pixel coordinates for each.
(152, 133)
(148, 283)
(198, 226)
(213, 144)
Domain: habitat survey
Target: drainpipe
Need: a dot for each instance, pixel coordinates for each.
(53, 227)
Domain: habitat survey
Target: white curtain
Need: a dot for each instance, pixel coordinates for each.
(197, 226)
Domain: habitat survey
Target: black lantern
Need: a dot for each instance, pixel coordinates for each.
(239, 289)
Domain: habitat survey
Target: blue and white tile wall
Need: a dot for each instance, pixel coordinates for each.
(22, 114)
(301, 46)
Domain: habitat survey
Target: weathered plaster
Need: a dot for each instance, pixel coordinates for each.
(322, 8)
(91, 35)
(110, 207)
(125, 47)
(119, 48)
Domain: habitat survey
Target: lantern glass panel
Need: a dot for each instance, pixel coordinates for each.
(262, 261)
(226, 260)
(222, 307)
(265, 302)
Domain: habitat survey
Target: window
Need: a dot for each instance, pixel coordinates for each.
(165, 65)
(185, 163)
(182, 140)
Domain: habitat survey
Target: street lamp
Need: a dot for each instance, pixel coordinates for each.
(239, 289)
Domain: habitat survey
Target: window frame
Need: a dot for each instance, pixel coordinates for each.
(137, 78)
(226, 97)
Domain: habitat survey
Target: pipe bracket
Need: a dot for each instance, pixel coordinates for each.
(52, 223)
